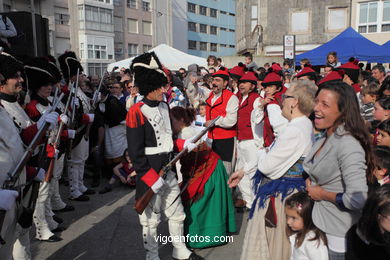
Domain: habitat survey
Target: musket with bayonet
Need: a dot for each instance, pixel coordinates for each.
(143, 202)
(72, 118)
(56, 142)
(14, 175)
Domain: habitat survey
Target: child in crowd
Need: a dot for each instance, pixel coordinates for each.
(368, 96)
(383, 137)
(124, 172)
(201, 116)
(381, 113)
(382, 156)
(332, 60)
(307, 241)
(370, 238)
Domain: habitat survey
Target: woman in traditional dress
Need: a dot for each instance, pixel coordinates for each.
(207, 199)
(279, 175)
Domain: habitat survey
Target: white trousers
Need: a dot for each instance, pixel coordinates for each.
(43, 217)
(21, 249)
(55, 198)
(247, 160)
(76, 168)
(150, 219)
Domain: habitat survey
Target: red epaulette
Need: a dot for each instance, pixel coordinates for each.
(31, 109)
(133, 114)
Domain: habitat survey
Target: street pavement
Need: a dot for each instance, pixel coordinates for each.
(107, 228)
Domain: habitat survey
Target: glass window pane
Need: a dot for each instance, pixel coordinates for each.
(372, 12)
(147, 28)
(386, 28)
(386, 11)
(363, 13)
(362, 29)
(372, 28)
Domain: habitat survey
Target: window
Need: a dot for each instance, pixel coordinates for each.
(203, 28)
(96, 68)
(118, 27)
(132, 50)
(203, 46)
(95, 18)
(118, 49)
(192, 45)
(147, 28)
(222, 12)
(213, 30)
(374, 17)
(253, 17)
(132, 4)
(192, 26)
(222, 29)
(117, 2)
(132, 25)
(213, 12)
(386, 17)
(231, 14)
(231, 30)
(223, 45)
(300, 22)
(232, 46)
(62, 19)
(191, 8)
(202, 10)
(213, 47)
(97, 52)
(146, 47)
(145, 6)
(337, 19)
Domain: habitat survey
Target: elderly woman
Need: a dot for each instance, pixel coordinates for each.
(279, 175)
(337, 164)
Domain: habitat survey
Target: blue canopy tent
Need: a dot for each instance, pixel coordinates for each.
(347, 44)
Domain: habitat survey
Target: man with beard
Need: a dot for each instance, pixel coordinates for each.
(222, 102)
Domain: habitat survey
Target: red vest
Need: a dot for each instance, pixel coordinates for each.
(268, 132)
(244, 129)
(219, 109)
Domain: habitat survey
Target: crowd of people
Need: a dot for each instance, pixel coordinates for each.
(306, 152)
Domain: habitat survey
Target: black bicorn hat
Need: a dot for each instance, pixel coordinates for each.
(37, 72)
(148, 72)
(69, 64)
(9, 66)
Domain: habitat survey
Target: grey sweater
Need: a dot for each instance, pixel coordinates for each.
(339, 167)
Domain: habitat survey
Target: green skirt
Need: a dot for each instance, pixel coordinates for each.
(209, 219)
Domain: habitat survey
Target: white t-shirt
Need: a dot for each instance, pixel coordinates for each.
(309, 250)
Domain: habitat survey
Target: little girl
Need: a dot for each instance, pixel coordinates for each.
(124, 172)
(381, 113)
(383, 137)
(307, 241)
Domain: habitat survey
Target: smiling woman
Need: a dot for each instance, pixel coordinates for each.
(337, 164)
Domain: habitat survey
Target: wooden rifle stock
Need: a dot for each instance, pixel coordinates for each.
(143, 201)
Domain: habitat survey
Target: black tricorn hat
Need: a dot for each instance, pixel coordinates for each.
(53, 68)
(38, 74)
(69, 64)
(148, 73)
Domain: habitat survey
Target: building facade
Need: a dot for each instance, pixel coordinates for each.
(372, 19)
(132, 27)
(201, 28)
(261, 24)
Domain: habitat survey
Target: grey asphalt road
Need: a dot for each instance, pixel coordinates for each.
(107, 228)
